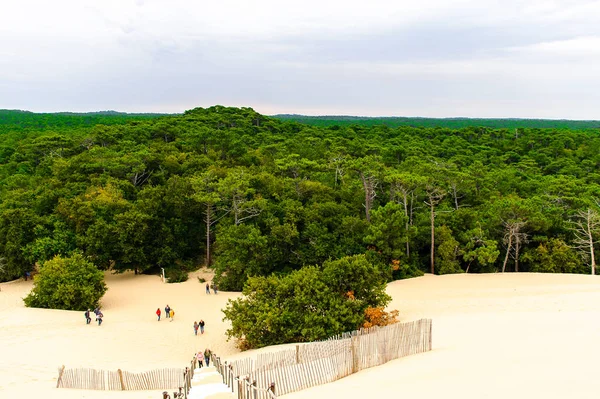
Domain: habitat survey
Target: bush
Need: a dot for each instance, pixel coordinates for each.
(71, 283)
(554, 256)
(379, 317)
(176, 275)
(201, 280)
(307, 305)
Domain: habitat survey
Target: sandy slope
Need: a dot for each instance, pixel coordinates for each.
(495, 336)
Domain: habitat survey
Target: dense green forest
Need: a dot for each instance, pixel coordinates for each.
(254, 195)
(452, 123)
(11, 120)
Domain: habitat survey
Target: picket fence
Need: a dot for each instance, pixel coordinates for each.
(321, 362)
(86, 378)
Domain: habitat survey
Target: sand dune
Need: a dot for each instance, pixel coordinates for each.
(495, 336)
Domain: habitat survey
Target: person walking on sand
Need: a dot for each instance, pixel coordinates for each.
(214, 287)
(201, 324)
(99, 317)
(200, 358)
(195, 328)
(171, 314)
(158, 313)
(167, 311)
(208, 288)
(207, 356)
(88, 319)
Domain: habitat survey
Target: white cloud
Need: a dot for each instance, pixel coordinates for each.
(432, 57)
(580, 47)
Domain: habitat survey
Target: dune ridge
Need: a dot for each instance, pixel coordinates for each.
(495, 336)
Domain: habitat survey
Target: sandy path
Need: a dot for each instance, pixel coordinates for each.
(495, 336)
(36, 342)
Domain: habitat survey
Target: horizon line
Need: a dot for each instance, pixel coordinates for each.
(110, 111)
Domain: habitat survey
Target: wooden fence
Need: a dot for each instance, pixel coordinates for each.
(318, 363)
(242, 385)
(84, 378)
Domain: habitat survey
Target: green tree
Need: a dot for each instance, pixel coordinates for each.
(241, 251)
(70, 283)
(554, 256)
(306, 305)
(206, 194)
(480, 250)
(448, 252)
(17, 232)
(387, 231)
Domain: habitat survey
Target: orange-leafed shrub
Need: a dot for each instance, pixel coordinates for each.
(379, 317)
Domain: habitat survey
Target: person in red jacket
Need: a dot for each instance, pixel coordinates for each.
(158, 313)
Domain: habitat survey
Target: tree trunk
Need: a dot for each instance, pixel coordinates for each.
(591, 241)
(208, 224)
(517, 242)
(586, 226)
(367, 199)
(507, 253)
(432, 238)
(455, 195)
(412, 200)
(406, 223)
(369, 185)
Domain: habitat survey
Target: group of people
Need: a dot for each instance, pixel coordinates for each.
(203, 357)
(98, 314)
(199, 325)
(214, 287)
(170, 313)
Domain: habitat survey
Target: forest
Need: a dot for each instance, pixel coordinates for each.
(252, 195)
(452, 123)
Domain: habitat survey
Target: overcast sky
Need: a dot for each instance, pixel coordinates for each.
(438, 58)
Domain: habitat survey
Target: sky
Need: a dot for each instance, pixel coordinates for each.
(428, 58)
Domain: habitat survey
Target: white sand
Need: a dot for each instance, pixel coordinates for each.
(495, 336)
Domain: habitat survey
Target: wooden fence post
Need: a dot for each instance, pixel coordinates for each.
(60, 374)
(297, 354)
(187, 381)
(430, 335)
(121, 379)
(353, 343)
(255, 389)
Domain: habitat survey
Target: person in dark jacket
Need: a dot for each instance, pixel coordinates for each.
(207, 354)
(88, 319)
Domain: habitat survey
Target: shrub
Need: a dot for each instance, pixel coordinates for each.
(307, 305)
(201, 279)
(71, 283)
(377, 316)
(176, 275)
(554, 256)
